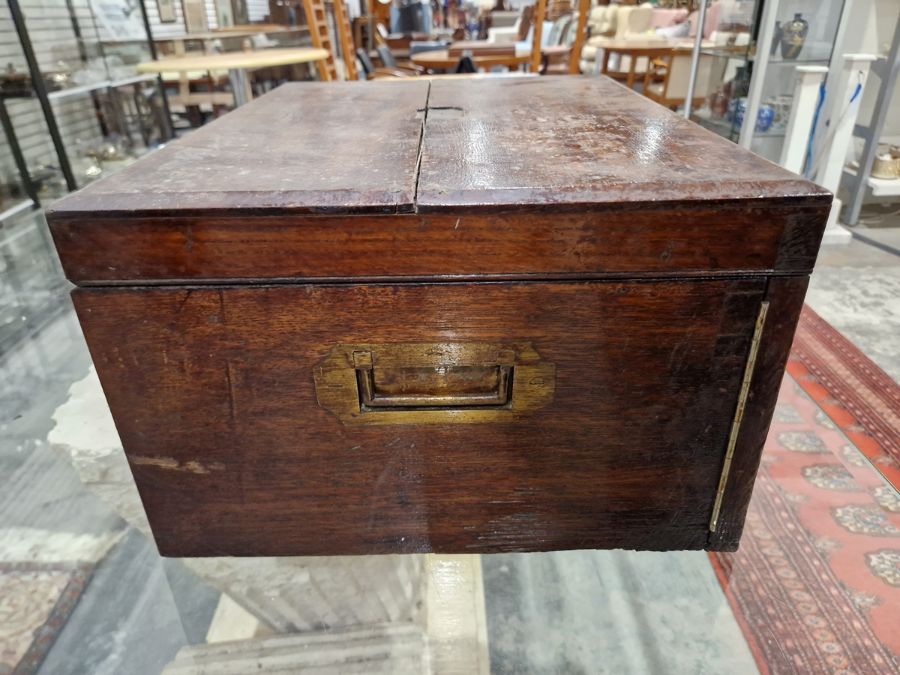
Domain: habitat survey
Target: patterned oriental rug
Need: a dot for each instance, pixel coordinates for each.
(859, 397)
(36, 600)
(815, 585)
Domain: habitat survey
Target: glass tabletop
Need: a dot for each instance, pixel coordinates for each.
(815, 586)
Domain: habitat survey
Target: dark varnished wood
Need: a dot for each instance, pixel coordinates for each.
(533, 177)
(302, 148)
(214, 400)
(579, 140)
(616, 250)
(698, 239)
(785, 298)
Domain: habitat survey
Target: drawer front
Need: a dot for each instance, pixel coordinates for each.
(615, 437)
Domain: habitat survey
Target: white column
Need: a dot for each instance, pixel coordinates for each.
(830, 151)
(806, 96)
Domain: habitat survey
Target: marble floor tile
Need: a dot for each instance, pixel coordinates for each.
(618, 612)
(856, 288)
(137, 609)
(128, 620)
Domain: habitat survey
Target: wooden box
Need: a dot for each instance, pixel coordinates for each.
(459, 316)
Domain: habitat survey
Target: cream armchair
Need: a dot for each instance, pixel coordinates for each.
(666, 81)
(617, 23)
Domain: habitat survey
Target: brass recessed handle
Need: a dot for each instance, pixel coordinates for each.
(441, 386)
(433, 383)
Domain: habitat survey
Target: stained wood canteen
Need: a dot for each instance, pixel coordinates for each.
(455, 316)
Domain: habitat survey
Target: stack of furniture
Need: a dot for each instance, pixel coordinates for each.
(666, 80)
(640, 24)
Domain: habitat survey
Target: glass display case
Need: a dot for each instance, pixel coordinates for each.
(757, 47)
(725, 61)
(32, 286)
(78, 72)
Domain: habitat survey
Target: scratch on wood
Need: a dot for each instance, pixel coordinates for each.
(187, 296)
(229, 378)
(172, 464)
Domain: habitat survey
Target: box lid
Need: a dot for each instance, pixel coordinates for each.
(300, 149)
(267, 190)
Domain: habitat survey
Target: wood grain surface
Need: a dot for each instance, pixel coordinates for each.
(490, 144)
(629, 248)
(514, 178)
(304, 148)
(579, 140)
(785, 298)
(638, 241)
(213, 396)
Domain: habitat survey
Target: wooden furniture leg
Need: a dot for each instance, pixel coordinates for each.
(584, 8)
(342, 22)
(318, 30)
(539, 13)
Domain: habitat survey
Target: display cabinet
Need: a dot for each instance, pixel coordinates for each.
(78, 86)
(727, 53)
(759, 45)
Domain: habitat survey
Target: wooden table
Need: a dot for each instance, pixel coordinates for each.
(441, 60)
(237, 64)
(636, 49)
(178, 42)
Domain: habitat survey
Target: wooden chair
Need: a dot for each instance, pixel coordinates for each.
(540, 13)
(317, 22)
(342, 21)
(564, 57)
(666, 80)
(388, 60)
(372, 72)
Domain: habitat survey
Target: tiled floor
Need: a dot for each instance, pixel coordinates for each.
(138, 610)
(856, 288)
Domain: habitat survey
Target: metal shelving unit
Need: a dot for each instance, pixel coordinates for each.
(886, 69)
(109, 86)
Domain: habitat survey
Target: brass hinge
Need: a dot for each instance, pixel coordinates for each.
(739, 412)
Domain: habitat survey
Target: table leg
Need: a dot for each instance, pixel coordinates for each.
(240, 86)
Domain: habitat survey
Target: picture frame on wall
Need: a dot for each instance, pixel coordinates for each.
(166, 10)
(194, 12)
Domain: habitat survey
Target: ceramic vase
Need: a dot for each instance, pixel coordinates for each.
(793, 37)
(764, 118)
(737, 109)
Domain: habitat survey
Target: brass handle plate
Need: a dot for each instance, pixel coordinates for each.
(432, 383)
